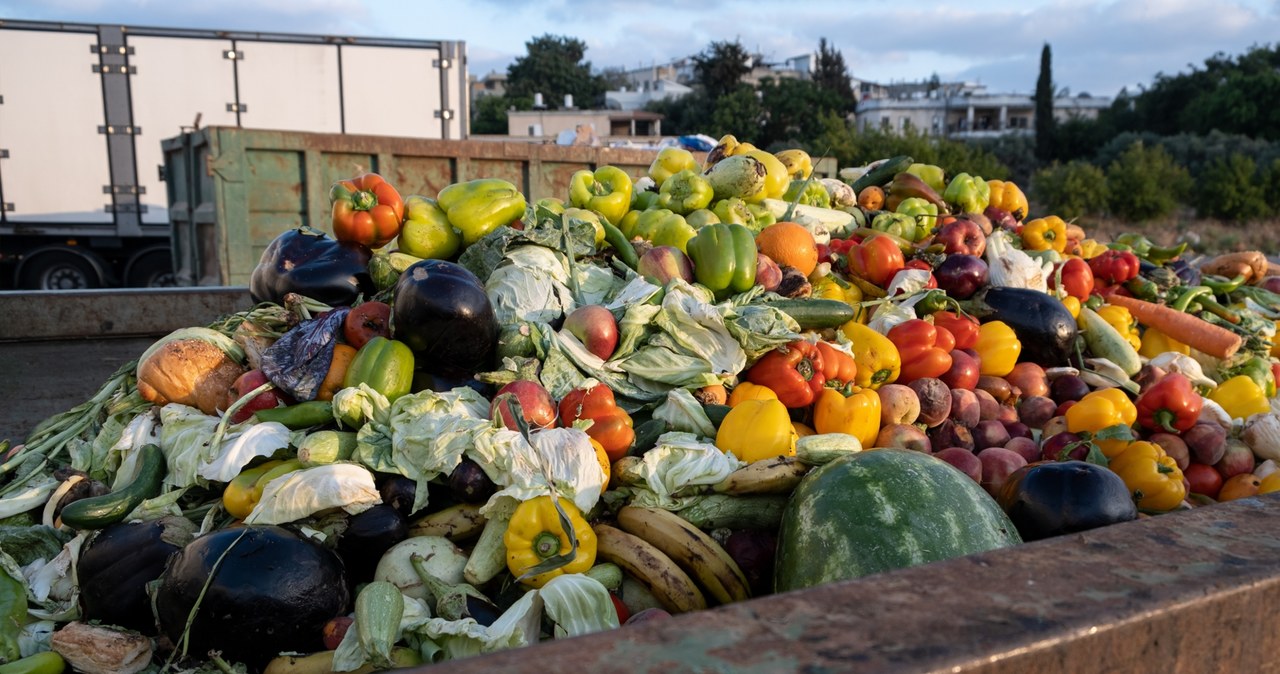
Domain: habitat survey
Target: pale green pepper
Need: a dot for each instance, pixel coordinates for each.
(807, 193)
(670, 161)
(685, 192)
(967, 194)
(933, 176)
(661, 227)
(477, 207)
(924, 213)
(607, 191)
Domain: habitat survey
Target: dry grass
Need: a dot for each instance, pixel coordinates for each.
(1205, 236)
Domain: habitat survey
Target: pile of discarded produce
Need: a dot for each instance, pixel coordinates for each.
(456, 425)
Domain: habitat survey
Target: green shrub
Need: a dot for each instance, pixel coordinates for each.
(1145, 183)
(1229, 188)
(1070, 190)
(1270, 180)
(853, 148)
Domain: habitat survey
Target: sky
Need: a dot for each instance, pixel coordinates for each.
(1098, 46)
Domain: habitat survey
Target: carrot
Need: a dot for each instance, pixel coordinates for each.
(1187, 328)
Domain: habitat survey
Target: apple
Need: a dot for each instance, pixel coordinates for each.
(538, 409)
(595, 327)
(962, 236)
(335, 629)
(661, 264)
(247, 382)
(366, 321)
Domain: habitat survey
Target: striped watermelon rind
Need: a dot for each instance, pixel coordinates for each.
(882, 510)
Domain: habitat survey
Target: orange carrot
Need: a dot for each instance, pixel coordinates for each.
(1187, 328)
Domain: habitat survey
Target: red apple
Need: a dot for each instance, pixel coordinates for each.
(535, 403)
(661, 264)
(266, 400)
(962, 236)
(596, 327)
(964, 371)
(335, 629)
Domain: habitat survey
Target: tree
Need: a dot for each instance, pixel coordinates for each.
(489, 115)
(1145, 183)
(721, 67)
(792, 111)
(554, 67)
(1045, 125)
(830, 74)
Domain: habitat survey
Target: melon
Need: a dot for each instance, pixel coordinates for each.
(882, 510)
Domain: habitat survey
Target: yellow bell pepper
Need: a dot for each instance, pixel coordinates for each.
(998, 348)
(830, 287)
(801, 429)
(746, 390)
(1119, 318)
(826, 288)
(877, 358)
(1241, 397)
(776, 178)
(798, 162)
(1155, 343)
(857, 414)
(1090, 248)
(245, 490)
(1073, 305)
(1151, 475)
(534, 535)
(1008, 196)
(757, 429)
(1101, 409)
(1047, 233)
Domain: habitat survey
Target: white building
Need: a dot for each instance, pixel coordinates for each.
(960, 110)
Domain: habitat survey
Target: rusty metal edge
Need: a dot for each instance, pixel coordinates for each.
(1190, 591)
(129, 312)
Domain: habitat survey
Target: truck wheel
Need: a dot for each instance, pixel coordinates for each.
(151, 270)
(59, 271)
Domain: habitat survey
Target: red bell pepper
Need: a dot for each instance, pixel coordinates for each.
(1077, 278)
(963, 328)
(366, 210)
(611, 425)
(925, 349)
(1114, 267)
(795, 372)
(1171, 404)
(838, 367)
(876, 259)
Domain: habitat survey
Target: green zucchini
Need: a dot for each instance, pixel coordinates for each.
(816, 314)
(100, 511)
(1104, 341)
(379, 608)
(882, 173)
(324, 447)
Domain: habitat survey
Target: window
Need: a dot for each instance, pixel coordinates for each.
(884, 123)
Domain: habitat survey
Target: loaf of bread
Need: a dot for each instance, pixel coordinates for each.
(190, 371)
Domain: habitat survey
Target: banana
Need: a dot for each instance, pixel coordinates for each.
(647, 564)
(456, 523)
(778, 475)
(690, 548)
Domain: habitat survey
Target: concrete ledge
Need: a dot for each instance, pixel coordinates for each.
(86, 314)
(1187, 592)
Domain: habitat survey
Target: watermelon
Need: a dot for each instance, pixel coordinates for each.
(881, 510)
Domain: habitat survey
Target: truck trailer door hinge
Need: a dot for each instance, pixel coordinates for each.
(233, 55)
(443, 64)
(7, 207)
(444, 114)
(111, 49)
(124, 189)
(237, 107)
(118, 70)
(120, 130)
(4, 153)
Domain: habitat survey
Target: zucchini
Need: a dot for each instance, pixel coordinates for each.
(814, 314)
(1104, 341)
(100, 511)
(883, 173)
(324, 447)
(379, 608)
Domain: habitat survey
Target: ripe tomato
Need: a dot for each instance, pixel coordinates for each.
(366, 321)
(1203, 479)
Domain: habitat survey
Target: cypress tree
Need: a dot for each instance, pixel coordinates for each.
(1045, 124)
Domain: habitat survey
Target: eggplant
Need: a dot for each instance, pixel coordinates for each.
(114, 570)
(398, 492)
(308, 262)
(1053, 498)
(470, 484)
(368, 535)
(1041, 322)
(443, 314)
(272, 592)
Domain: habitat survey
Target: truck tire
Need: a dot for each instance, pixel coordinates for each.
(151, 269)
(59, 270)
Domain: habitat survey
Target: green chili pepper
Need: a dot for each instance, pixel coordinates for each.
(933, 302)
(1143, 288)
(1221, 285)
(1181, 298)
(621, 246)
(47, 662)
(299, 416)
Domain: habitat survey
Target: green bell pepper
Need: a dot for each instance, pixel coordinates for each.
(724, 258)
(385, 365)
(670, 161)
(607, 192)
(898, 224)
(933, 176)
(644, 200)
(924, 212)
(477, 207)
(1258, 369)
(685, 192)
(701, 217)
(736, 211)
(551, 205)
(807, 193)
(661, 227)
(967, 194)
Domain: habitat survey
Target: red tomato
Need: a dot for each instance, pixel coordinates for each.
(366, 321)
(1203, 479)
(1077, 278)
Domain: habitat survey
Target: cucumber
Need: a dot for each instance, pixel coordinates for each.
(1104, 341)
(100, 511)
(324, 447)
(647, 433)
(817, 314)
(883, 173)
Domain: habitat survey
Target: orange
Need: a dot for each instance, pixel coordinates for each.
(871, 198)
(790, 244)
